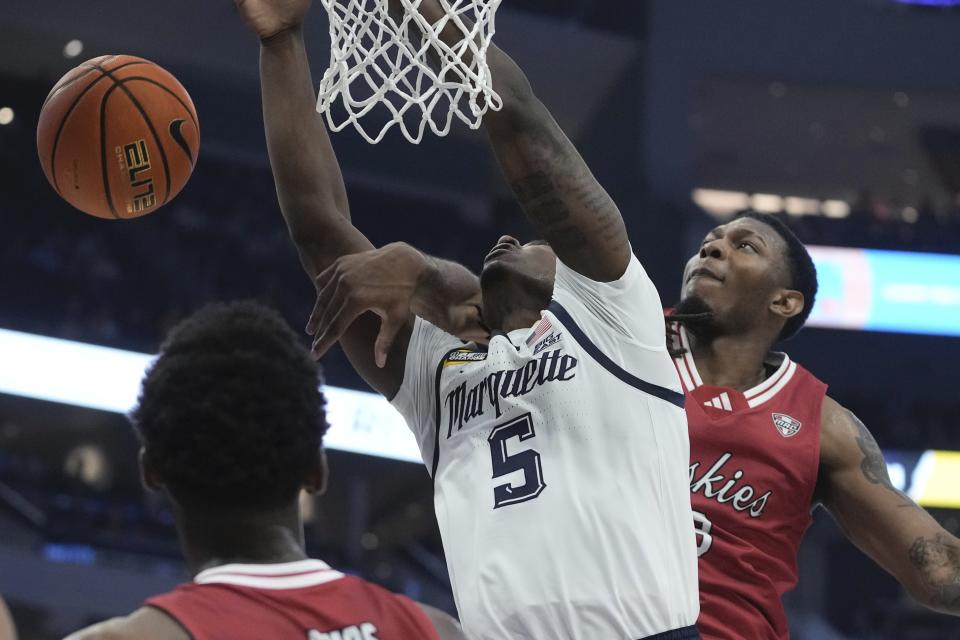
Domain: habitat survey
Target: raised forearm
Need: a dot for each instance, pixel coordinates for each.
(554, 185)
(879, 518)
(309, 184)
(441, 289)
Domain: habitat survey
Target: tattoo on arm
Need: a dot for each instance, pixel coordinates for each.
(544, 205)
(873, 466)
(938, 562)
(558, 191)
(533, 186)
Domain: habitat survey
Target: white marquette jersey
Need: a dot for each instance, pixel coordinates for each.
(560, 462)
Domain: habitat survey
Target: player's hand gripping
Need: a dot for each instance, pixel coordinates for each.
(267, 18)
(393, 282)
(383, 281)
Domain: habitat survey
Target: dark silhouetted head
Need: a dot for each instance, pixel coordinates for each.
(230, 414)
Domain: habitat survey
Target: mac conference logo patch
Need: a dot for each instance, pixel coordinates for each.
(786, 425)
(464, 357)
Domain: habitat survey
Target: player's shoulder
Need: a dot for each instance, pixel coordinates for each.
(113, 629)
(633, 275)
(371, 591)
(787, 371)
(364, 591)
(399, 609)
(146, 623)
(834, 414)
(842, 436)
(628, 309)
(429, 339)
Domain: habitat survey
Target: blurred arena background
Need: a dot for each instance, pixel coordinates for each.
(842, 117)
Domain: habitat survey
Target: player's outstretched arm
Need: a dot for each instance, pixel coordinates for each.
(309, 184)
(559, 194)
(395, 281)
(882, 521)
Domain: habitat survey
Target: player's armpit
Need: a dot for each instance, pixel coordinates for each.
(146, 623)
(881, 520)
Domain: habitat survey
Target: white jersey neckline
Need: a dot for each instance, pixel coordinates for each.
(281, 575)
(755, 396)
(518, 338)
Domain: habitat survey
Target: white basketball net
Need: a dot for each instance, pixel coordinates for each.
(384, 70)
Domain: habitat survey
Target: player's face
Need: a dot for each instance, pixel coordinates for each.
(527, 267)
(738, 268)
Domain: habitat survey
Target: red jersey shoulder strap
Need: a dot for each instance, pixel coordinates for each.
(783, 373)
(405, 610)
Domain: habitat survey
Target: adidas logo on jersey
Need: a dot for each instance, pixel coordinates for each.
(722, 401)
(786, 425)
(365, 631)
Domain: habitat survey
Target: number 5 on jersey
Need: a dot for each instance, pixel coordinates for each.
(527, 461)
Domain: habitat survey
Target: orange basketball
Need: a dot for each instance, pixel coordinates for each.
(118, 137)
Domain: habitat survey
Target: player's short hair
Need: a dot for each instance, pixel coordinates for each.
(231, 414)
(800, 268)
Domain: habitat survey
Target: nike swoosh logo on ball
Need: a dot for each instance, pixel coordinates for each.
(177, 135)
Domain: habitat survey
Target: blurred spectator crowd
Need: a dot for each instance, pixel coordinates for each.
(878, 223)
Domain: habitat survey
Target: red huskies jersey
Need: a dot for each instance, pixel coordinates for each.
(754, 458)
(305, 600)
